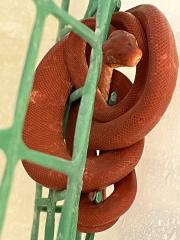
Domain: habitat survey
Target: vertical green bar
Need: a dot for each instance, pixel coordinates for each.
(91, 9)
(65, 6)
(78, 235)
(13, 135)
(90, 236)
(50, 219)
(36, 218)
(6, 185)
(81, 139)
(28, 73)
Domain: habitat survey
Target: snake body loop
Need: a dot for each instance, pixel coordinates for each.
(118, 131)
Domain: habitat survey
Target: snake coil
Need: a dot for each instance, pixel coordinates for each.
(117, 131)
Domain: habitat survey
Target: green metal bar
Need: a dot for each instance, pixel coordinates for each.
(90, 236)
(65, 30)
(47, 205)
(42, 201)
(46, 160)
(98, 197)
(112, 99)
(65, 5)
(6, 183)
(28, 73)
(82, 131)
(62, 26)
(5, 135)
(50, 219)
(77, 94)
(81, 137)
(91, 9)
(77, 26)
(12, 139)
(70, 209)
(78, 236)
(5, 189)
(36, 218)
(58, 209)
(118, 3)
(59, 195)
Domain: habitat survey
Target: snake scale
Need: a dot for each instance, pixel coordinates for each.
(118, 131)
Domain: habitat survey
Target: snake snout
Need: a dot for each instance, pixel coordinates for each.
(135, 57)
(121, 49)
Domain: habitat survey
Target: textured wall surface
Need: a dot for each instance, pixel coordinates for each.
(155, 213)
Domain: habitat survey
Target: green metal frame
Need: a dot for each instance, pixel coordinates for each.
(11, 138)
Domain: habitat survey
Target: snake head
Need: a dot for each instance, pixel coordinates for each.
(121, 50)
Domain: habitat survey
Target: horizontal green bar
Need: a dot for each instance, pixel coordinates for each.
(57, 210)
(46, 160)
(40, 202)
(59, 195)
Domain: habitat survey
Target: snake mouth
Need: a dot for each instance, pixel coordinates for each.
(135, 60)
(130, 62)
(114, 65)
(112, 62)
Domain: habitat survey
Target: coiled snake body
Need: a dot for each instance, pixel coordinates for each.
(119, 130)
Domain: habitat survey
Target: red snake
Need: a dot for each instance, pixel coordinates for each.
(117, 131)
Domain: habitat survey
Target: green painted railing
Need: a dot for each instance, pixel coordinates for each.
(11, 138)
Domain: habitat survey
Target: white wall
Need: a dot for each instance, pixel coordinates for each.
(155, 213)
